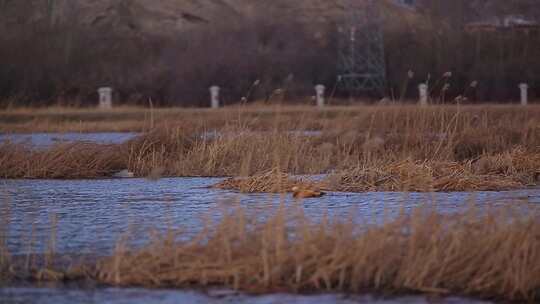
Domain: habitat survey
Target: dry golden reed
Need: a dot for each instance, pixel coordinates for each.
(269, 182)
(511, 170)
(505, 171)
(367, 147)
(488, 254)
(61, 161)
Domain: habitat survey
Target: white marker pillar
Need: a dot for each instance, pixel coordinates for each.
(524, 94)
(105, 98)
(423, 90)
(319, 89)
(214, 97)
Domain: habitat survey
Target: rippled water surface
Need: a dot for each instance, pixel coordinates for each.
(143, 296)
(89, 216)
(44, 140)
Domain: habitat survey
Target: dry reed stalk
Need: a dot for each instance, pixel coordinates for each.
(408, 175)
(245, 141)
(61, 161)
(490, 255)
(132, 119)
(269, 182)
(422, 176)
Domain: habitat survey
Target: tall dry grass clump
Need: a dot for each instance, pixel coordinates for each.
(229, 151)
(61, 161)
(318, 142)
(269, 182)
(490, 254)
(509, 170)
(482, 253)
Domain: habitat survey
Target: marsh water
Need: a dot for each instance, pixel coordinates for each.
(143, 296)
(89, 216)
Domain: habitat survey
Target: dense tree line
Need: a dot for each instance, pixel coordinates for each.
(54, 61)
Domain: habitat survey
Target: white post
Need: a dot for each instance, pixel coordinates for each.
(319, 89)
(524, 94)
(423, 89)
(214, 97)
(105, 98)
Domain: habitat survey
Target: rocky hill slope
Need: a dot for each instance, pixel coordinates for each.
(168, 16)
(164, 17)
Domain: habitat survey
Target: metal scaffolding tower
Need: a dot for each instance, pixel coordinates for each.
(361, 63)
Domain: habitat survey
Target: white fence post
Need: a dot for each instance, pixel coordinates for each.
(214, 97)
(320, 89)
(423, 90)
(105, 98)
(524, 94)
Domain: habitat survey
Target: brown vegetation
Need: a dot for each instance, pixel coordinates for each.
(269, 182)
(511, 170)
(62, 161)
(505, 171)
(489, 255)
(439, 148)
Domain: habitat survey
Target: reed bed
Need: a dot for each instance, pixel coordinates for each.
(489, 254)
(511, 170)
(62, 161)
(355, 142)
(268, 182)
(55, 119)
(419, 177)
